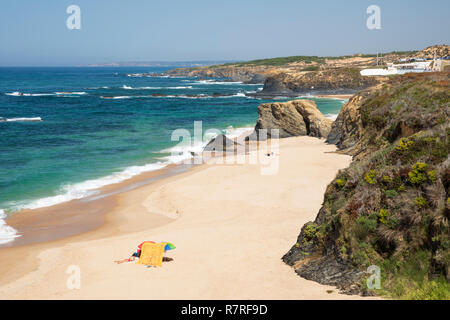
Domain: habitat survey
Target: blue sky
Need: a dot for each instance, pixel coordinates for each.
(35, 33)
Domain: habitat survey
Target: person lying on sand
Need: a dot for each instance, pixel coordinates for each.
(137, 255)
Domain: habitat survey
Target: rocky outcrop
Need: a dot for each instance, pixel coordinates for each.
(293, 118)
(323, 267)
(295, 75)
(347, 129)
(221, 143)
(390, 208)
(442, 50)
(341, 80)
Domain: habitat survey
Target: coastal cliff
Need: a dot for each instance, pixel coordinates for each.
(341, 80)
(253, 75)
(293, 118)
(347, 129)
(390, 208)
(295, 75)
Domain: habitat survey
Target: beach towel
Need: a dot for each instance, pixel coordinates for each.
(168, 246)
(151, 254)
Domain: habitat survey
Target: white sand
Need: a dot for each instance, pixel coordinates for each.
(231, 226)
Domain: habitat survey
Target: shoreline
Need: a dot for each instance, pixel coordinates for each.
(22, 223)
(178, 208)
(103, 224)
(79, 215)
(318, 95)
(18, 223)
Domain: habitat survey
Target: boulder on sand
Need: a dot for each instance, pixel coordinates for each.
(221, 144)
(293, 118)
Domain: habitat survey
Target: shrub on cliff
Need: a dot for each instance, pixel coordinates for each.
(394, 209)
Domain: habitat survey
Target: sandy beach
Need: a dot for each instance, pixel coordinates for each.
(231, 226)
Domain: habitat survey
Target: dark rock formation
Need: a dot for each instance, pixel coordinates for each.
(232, 73)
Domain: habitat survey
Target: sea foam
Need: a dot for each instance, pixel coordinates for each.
(155, 88)
(87, 188)
(35, 119)
(22, 94)
(7, 233)
(331, 116)
(182, 152)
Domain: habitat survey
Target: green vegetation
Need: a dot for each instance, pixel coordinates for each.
(391, 193)
(432, 175)
(409, 279)
(404, 144)
(341, 182)
(370, 177)
(417, 174)
(280, 61)
(310, 231)
(311, 68)
(365, 225)
(383, 215)
(421, 202)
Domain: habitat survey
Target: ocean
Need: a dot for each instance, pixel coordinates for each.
(100, 126)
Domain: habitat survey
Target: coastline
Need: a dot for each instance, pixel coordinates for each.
(78, 216)
(178, 208)
(318, 95)
(97, 221)
(46, 223)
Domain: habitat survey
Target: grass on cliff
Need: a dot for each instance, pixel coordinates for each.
(280, 61)
(409, 279)
(391, 206)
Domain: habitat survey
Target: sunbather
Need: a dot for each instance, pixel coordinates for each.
(137, 255)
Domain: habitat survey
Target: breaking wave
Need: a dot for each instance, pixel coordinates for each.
(7, 233)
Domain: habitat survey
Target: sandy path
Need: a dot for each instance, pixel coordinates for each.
(231, 226)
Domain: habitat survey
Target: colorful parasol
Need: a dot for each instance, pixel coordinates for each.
(169, 246)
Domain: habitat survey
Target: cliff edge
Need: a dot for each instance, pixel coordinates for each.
(390, 208)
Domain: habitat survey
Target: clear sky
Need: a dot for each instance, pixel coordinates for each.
(35, 33)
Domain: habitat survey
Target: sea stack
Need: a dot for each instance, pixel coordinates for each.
(293, 118)
(221, 144)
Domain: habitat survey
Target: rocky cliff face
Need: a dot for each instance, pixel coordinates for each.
(293, 118)
(347, 129)
(391, 207)
(341, 80)
(302, 74)
(428, 53)
(233, 73)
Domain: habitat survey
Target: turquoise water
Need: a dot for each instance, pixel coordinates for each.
(103, 126)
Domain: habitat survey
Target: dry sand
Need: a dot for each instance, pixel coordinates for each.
(231, 226)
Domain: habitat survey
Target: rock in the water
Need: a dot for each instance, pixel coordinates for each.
(293, 118)
(221, 144)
